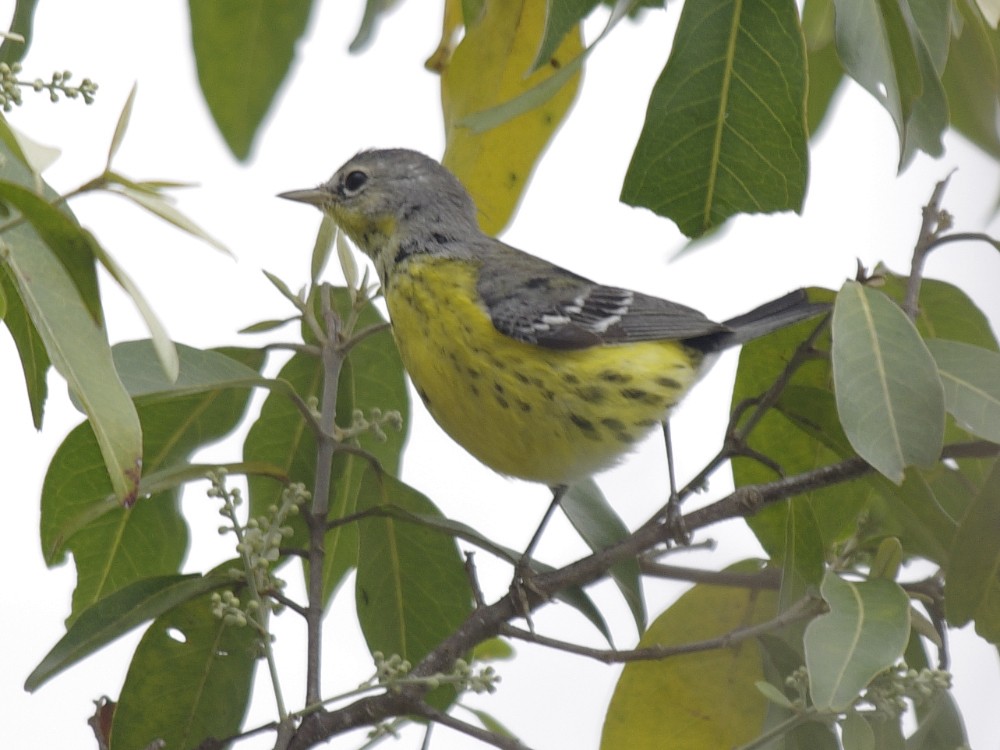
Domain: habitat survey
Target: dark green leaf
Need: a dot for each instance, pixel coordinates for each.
(825, 70)
(929, 117)
(973, 590)
(939, 725)
(864, 633)
(972, 81)
(117, 614)
(560, 17)
(876, 49)
(189, 680)
(596, 521)
(725, 130)
(374, 10)
(35, 361)
(889, 395)
(24, 15)
(412, 590)
(114, 546)
(244, 49)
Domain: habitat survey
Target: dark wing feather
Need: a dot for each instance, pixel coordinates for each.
(536, 302)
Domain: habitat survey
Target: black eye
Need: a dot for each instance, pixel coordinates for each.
(355, 181)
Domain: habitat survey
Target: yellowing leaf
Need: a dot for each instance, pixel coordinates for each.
(489, 67)
(699, 700)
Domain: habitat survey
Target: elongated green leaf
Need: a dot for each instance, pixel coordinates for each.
(971, 379)
(973, 586)
(66, 240)
(160, 205)
(856, 732)
(725, 131)
(122, 127)
(35, 361)
(889, 395)
(596, 521)
(929, 117)
(24, 15)
(825, 71)
(864, 633)
(412, 590)
(560, 17)
(196, 672)
(200, 370)
(78, 347)
(877, 51)
(374, 10)
(972, 81)
(117, 614)
(244, 49)
(657, 699)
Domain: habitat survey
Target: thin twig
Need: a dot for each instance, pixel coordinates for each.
(767, 578)
(803, 609)
(933, 222)
(483, 735)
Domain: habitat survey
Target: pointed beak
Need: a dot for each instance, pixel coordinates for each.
(313, 196)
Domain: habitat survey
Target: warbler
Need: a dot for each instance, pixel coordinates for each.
(536, 371)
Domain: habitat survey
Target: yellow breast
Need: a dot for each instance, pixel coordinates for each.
(540, 414)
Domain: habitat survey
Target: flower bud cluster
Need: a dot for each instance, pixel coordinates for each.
(11, 85)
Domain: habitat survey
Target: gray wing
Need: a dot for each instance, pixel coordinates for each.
(537, 302)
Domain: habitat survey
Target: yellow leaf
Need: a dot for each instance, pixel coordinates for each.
(489, 67)
(698, 701)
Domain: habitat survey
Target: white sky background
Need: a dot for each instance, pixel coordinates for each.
(333, 106)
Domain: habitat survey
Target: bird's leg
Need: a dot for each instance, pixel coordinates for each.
(557, 495)
(674, 520)
(523, 570)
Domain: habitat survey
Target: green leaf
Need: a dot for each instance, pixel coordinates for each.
(657, 699)
(199, 370)
(189, 680)
(889, 395)
(114, 546)
(68, 242)
(803, 562)
(973, 575)
(972, 81)
(939, 725)
(560, 17)
(122, 126)
(825, 71)
(876, 49)
(856, 734)
(929, 118)
(24, 15)
(162, 206)
(76, 344)
(971, 379)
(923, 512)
(412, 590)
(864, 633)
(725, 130)
(243, 50)
(35, 361)
(117, 614)
(374, 10)
(596, 521)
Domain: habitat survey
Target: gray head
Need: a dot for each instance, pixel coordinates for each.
(390, 194)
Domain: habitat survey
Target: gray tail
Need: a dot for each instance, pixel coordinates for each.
(769, 317)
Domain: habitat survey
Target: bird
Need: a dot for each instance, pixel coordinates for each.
(538, 372)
